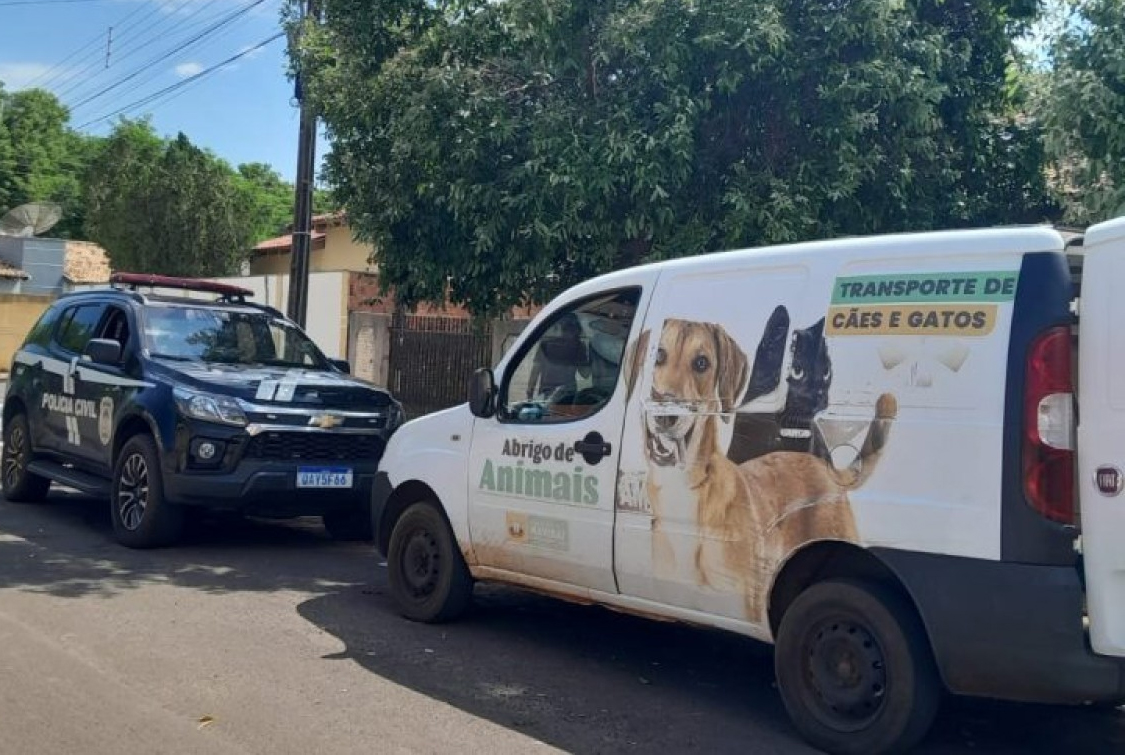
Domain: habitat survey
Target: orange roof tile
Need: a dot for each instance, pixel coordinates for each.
(285, 243)
(85, 262)
(11, 272)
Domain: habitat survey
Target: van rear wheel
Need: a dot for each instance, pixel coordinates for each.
(428, 577)
(855, 670)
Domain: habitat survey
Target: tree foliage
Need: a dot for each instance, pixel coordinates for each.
(494, 150)
(166, 207)
(41, 158)
(1083, 101)
(267, 198)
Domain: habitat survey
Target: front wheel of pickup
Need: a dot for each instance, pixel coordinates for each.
(141, 516)
(428, 576)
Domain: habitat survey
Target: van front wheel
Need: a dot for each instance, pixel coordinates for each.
(854, 669)
(428, 577)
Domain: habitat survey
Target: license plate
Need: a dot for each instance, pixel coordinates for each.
(324, 477)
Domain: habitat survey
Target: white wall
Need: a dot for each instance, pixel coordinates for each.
(326, 318)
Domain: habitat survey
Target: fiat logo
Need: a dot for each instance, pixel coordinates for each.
(1108, 479)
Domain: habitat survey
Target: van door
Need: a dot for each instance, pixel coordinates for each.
(543, 470)
(1101, 433)
(716, 354)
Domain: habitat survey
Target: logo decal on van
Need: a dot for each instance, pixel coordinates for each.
(959, 304)
(567, 485)
(1109, 480)
(528, 529)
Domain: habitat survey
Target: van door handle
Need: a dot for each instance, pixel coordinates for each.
(593, 447)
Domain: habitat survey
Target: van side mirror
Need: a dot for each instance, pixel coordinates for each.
(482, 393)
(103, 351)
(342, 365)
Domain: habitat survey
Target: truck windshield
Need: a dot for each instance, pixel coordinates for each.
(208, 334)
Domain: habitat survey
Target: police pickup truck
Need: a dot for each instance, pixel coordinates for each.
(165, 401)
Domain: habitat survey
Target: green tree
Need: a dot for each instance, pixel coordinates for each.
(267, 197)
(7, 160)
(41, 158)
(1083, 100)
(165, 207)
(503, 149)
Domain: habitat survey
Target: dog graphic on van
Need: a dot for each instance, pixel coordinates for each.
(749, 516)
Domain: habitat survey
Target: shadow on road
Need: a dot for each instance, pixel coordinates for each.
(64, 547)
(581, 678)
(604, 682)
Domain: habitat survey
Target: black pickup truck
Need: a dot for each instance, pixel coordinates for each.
(165, 401)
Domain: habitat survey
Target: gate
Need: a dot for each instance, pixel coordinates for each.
(432, 358)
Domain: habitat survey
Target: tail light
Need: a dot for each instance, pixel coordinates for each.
(1048, 426)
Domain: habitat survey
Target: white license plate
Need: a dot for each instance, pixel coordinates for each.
(324, 477)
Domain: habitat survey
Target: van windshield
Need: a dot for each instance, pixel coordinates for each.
(208, 334)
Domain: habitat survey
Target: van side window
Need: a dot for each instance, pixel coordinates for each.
(570, 369)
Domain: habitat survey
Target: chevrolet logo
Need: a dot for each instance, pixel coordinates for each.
(325, 421)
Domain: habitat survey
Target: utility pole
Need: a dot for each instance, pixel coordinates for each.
(302, 215)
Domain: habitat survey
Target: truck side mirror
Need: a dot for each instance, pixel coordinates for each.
(342, 365)
(103, 351)
(482, 393)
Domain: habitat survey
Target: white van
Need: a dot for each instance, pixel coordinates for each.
(898, 458)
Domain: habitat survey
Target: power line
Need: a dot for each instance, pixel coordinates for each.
(209, 30)
(64, 76)
(78, 83)
(156, 73)
(93, 41)
(181, 84)
(85, 86)
(47, 2)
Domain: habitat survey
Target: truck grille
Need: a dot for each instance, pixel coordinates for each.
(285, 446)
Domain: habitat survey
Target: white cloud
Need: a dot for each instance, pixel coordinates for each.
(17, 76)
(183, 70)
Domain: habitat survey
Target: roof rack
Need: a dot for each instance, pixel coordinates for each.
(226, 291)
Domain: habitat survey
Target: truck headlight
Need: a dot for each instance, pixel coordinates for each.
(395, 415)
(210, 408)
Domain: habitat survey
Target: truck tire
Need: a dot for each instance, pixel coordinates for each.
(141, 516)
(855, 670)
(20, 486)
(428, 577)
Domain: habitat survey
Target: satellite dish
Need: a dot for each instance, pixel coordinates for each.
(30, 219)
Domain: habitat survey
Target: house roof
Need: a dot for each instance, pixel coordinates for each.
(328, 220)
(85, 262)
(285, 243)
(11, 272)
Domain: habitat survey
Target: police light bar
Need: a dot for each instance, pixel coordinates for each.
(135, 280)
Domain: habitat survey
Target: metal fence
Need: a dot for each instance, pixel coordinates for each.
(432, 358)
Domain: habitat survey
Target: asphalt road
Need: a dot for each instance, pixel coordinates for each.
(261, 637)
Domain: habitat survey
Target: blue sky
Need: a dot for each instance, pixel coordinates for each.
(242, 111)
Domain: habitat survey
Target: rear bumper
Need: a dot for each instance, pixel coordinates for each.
(269, 488)
(1006, 630)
